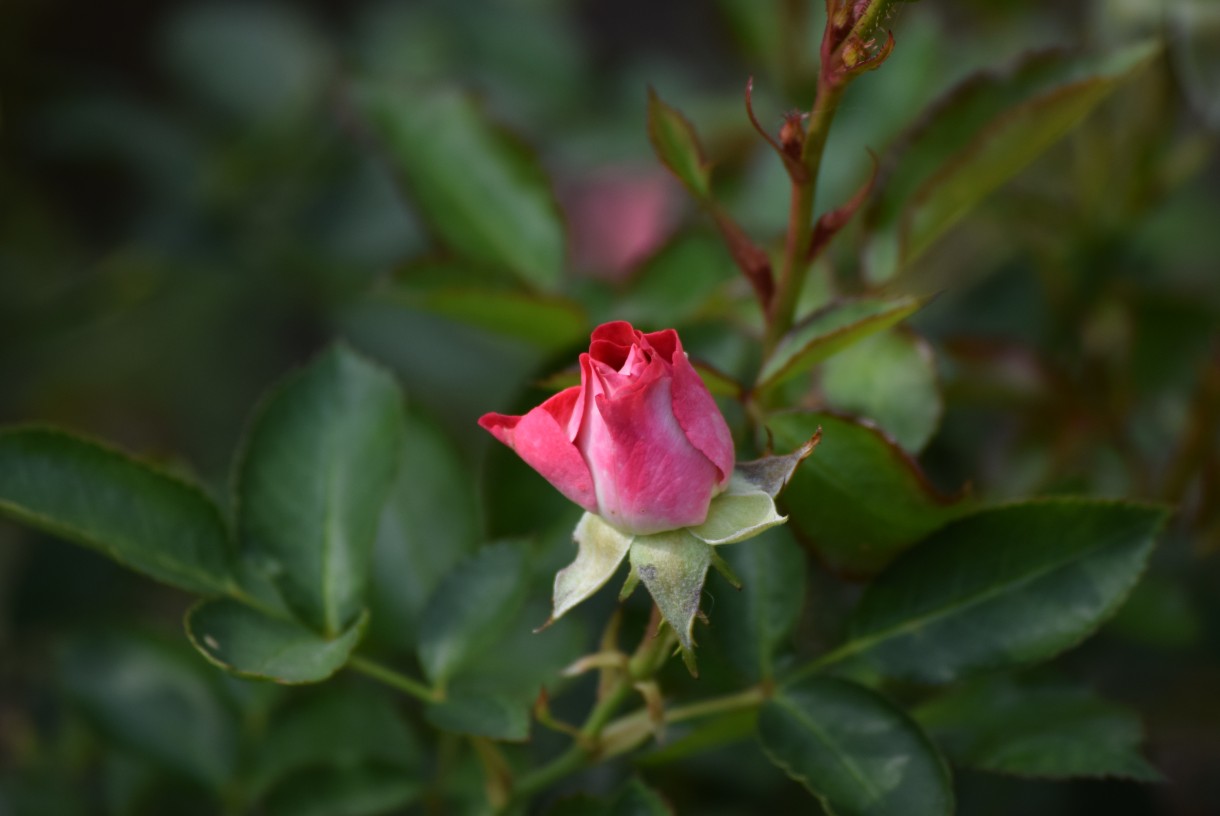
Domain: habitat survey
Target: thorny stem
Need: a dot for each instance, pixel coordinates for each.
(837, 71)
(800, 215)
(627, 732)
(586, 748)
(639, 723)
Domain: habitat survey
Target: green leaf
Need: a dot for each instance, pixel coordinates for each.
(633, 798)
(601, 549)
(854, 750)
(142, 518)
(313, 477)
(1047, 730)
(828, 331)
(155, 700)
(718, 383)
(1161, 612)
(754, 624)
(482, 713)
(977, 138)
(679, 283)
(345, 790)
(859, 499)
(891, 379)
(348, 724)
(523, 660)
(549, 322)
(673, 566)
(677, 146)
(430, 521)
(1005, 586)
(482, 192)
(683, 741)
(251, 644)
(470, 607)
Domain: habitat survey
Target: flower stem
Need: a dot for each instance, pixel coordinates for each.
(586, 748)
(628, 731)
(751, 697)
(392, 678)
(800, 215)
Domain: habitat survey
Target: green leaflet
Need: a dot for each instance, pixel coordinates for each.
(677, 145)
(979, 137)
(314, 474)
(860, 500)
(482, 192)
(830, 330)
(854, 750)
(469, 608)
(145, 519)
(1005, 586)
(1040, 729)
(252, 644)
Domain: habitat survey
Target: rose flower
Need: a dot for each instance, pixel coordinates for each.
(640, 442)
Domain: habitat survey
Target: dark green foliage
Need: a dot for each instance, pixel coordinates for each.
(422, 210)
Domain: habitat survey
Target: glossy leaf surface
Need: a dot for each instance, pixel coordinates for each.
(248, 643)
(316, 468)
(469, 608)
(150, 698)
(1003, 587)
(479, 189)
(854, 750)
(859, 499)
(430, 522)
(677, 145)
(1046, 730)
(889, 378)
(347, 725)
(977, 138)
(548, 322)
(482, 714)
(91, 494)
(753, 625)
(828, 331)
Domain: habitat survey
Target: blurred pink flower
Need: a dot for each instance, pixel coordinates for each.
(620, 216)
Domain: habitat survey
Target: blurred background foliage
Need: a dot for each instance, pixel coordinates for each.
(190, 204)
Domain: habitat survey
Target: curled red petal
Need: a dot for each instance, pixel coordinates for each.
(697, 413)
(649, 476)
(542, 441)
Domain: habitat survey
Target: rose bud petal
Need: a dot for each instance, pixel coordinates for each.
(640, 442)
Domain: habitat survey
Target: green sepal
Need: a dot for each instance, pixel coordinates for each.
(602, 549)
(771, 474)
(739, 513)
(721, 566)
(629, 585)
(673, 565)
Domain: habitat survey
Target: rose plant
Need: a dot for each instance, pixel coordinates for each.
(873, 634)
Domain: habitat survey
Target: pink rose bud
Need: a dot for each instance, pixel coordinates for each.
(640, 442)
